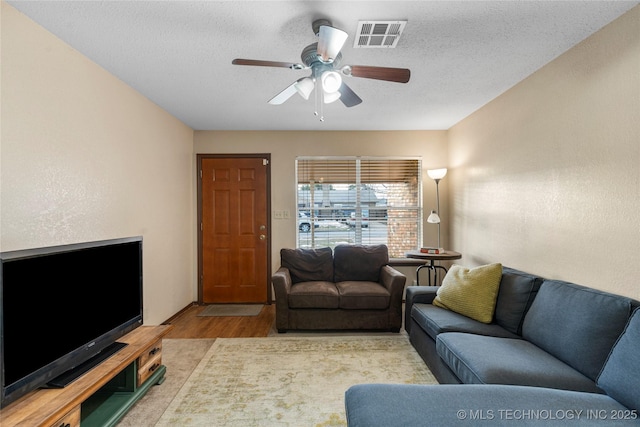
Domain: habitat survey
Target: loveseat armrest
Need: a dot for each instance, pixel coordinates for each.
(417, 295)
(394, 281)
(281, 280)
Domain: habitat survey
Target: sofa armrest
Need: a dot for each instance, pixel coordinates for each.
(421, 294)
(281, 281)
(417, 295)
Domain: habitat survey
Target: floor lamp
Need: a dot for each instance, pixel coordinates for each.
(434, 218)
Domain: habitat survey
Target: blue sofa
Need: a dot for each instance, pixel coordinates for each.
(556, 353)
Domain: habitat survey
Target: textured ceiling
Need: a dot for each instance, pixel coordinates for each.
(462, 54)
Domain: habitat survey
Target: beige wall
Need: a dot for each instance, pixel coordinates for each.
(286, 146)
(546, 178)
(84, 157)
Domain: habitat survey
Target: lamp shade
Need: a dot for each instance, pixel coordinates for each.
(330, 43)
(437, 173)
(433, 218)
(304, 86)
(330, 97)
(331, 81)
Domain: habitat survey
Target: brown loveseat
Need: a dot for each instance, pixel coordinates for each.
(349, 288)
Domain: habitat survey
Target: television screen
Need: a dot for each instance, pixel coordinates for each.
(63, 305)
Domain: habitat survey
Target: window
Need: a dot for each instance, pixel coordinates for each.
(359, 200)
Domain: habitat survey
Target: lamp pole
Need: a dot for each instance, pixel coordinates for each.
(438, 207)
(436, 175)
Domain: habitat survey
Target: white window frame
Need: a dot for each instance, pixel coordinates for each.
(318, 214)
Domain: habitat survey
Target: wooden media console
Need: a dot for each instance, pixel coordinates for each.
(101, 396)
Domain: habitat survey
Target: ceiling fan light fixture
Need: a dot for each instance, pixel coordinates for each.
(331, 97)
(330, 43)
(304, 86)
(331, 81)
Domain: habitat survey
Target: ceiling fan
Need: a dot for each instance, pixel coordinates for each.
(324, 59)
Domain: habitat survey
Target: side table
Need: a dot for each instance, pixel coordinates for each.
(432, 258)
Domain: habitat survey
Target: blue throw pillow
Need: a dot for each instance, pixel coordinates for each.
(621, 373)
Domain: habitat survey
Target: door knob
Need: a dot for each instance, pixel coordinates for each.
(262, 237)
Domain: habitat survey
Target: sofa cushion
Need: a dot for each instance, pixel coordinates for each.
(471, 292)
(619, 377)
(361, 294)
(477, 359)
(516, 293)
(314, 295)
(307, 265)
(435, 320)
(417, 405)
(359, 262)
(576, 324)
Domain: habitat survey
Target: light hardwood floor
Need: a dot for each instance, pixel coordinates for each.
(187, 324)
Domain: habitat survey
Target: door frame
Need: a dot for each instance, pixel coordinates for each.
(199, 159)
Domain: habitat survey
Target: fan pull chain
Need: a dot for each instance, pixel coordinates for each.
(321, 102)
(315, 113)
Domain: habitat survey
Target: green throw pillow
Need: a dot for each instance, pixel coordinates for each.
(471, 292)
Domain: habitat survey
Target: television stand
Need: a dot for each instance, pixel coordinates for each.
(102, 395)
(72, 374)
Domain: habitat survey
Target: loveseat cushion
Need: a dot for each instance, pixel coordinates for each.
(314, 295)
(306, 265)
(517, 292)
(576, 324)
(477, 359)
(358, 295)
(435, 320)
(619, 377)
(359, 262)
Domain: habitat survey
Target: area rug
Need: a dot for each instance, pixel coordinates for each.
(289, 381)
(231, 310)
(180, 356)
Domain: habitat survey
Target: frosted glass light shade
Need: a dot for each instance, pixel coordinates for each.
(433, 218)
(331, 97)
(304, 86)
(331, 42)
(437, 173)
(331, 81)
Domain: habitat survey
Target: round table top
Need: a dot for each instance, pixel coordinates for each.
(447, 255)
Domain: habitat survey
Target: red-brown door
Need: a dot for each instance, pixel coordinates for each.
(234, 227)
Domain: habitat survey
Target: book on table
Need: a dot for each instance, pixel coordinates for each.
(430, 250)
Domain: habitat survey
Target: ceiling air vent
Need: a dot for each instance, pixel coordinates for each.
(378, 34)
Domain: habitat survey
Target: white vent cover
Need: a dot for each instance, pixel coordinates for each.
(378, 34)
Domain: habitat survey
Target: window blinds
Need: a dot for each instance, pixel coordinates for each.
(346, 170)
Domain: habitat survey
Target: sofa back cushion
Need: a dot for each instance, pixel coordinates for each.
(619, 377)
(359, 262)
(515, 296)
(308, 265)
(576, 324)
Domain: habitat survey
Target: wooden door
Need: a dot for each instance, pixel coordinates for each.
(234, 230)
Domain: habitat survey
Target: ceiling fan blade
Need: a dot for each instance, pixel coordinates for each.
(348, 97)
(284, 95)
(260, 63)
(330, 42)
(399, 75)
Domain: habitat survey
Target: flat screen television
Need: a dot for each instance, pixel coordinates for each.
(62, 310)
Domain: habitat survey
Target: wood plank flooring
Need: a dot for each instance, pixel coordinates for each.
(187, 324)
